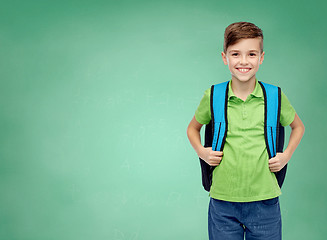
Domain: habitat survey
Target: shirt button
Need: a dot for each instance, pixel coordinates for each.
(244, 112)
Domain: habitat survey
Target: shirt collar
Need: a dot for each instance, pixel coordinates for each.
(257, 92)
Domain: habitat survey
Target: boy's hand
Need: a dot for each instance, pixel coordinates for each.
(278, 162)
(213, 158)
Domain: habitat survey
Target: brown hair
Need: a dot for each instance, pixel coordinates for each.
(241, 30)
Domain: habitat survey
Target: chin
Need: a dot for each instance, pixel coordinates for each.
(244, 79)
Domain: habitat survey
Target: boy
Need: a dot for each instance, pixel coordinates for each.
(244, 190)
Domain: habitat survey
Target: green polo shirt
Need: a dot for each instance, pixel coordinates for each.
(243, 174)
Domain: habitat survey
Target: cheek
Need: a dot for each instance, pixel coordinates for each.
(256, 63)
(231, 67)
(231, 63)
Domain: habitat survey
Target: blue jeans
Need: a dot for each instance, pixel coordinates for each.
(260, 220)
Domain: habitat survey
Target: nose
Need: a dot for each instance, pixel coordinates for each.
(243, 60)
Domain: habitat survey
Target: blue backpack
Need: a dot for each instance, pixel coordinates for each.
(216, 129)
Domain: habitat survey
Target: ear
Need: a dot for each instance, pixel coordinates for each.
(262, 57)
(223, 55)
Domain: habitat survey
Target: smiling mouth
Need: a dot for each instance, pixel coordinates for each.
(243, 70)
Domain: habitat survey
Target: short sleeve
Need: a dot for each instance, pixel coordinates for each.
(203, 112)
(287, 112)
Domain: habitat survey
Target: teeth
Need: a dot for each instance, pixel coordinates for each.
(244, 69)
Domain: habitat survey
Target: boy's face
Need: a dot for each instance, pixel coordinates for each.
(243, 59)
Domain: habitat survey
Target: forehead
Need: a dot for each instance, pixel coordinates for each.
(246, 44)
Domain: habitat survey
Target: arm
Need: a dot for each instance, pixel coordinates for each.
(281, 159)
(213, 158)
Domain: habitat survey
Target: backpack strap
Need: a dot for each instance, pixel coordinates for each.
(274, 131)
(272, 112)
(215, 137)
(219, 100)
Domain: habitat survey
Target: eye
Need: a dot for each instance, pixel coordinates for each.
(253, 54)
(235, 54)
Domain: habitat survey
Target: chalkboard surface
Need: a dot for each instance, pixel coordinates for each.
(95, 100)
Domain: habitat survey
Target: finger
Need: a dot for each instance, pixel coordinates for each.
(214, 164)
(273, 160)
(217, 153)
(273, 164)
(273, 170)
(215, 161)
(215, 158)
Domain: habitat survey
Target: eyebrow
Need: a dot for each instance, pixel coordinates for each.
(252, 50)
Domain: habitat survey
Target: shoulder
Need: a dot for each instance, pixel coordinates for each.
(202, 113)
(220, 89)
(268, 86)
(207, 92)
(220, 85)
(287, 111)
(284, 99)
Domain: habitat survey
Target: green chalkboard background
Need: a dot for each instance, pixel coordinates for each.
(95, 99)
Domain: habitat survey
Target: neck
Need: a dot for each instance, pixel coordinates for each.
(243, 89)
